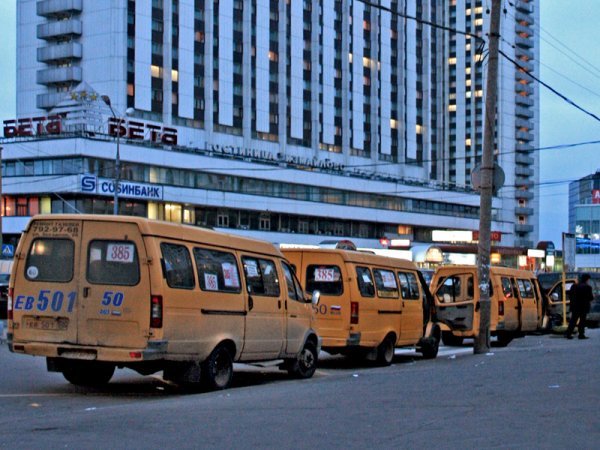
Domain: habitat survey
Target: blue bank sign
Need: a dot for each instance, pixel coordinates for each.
(91, 184)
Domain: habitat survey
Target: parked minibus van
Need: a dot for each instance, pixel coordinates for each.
(92, 293)
(516, 303)
(551, 286)
(368, 304)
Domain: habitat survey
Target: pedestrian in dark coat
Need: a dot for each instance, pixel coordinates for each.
(581, 297)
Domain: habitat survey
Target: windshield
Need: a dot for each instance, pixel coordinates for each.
(4, 278)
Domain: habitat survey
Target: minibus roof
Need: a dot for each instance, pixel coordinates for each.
(358, 257)
(150, 227)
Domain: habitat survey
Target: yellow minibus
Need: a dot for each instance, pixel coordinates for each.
(92, 293)
(516, 303)
(368, 304)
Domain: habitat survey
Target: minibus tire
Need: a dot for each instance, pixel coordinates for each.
(430, 346)
(88, 373)
(385, 351)
(504, 338)
(305, 364)
(217, 369)
(449, 339)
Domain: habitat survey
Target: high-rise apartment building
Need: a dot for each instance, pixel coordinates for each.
(343, 117)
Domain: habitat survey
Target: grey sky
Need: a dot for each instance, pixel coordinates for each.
(573, 70)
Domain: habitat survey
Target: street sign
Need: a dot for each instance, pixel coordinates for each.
(8, 250)
(569, 246)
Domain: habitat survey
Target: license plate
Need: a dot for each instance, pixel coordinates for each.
(46, 323)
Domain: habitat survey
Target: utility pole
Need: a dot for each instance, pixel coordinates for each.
(482, 339)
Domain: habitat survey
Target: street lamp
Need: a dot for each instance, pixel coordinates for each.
(119, 120)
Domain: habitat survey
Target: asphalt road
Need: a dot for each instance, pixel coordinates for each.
(539, 392)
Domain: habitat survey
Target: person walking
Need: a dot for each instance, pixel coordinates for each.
(581, 296)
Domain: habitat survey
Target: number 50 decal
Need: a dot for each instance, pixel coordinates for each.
(113, 298)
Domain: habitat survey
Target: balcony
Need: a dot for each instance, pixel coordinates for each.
(524, 243)
(524, 42)
(523, 211)
(524, 6)
(523, 123)
(523, 29)
(69, 51)
(523, 17)
(523, 51)
(59, 8)
(521, 111)
(524, 136)
(523, 228)
(526, 195)
(523, 171)
(526, 88)
(523, 182)
(59, 30)
(524, 159)
(523, 147)
(49, 101)
(57, 75)
(528, 66)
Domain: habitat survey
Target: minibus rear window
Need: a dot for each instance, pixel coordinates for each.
(113, 262)
(387, 286)
(217, 271)
(50, 260)
(326, 279)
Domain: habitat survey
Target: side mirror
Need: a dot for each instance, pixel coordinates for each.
(316, 296)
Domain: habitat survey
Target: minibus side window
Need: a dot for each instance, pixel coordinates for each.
(113, 262)
(409, 285)
(178, 266)
(365, 282)
(387, 286)
(525, 288)
(293, 286)
(261, 277)
(449, 291)
(50, 260)
(326, 279)
(217, 271)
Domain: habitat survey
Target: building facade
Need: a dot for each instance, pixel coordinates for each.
(289, 120)
(584, 220)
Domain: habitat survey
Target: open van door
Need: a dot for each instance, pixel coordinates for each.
(114, 286)
(455, 301)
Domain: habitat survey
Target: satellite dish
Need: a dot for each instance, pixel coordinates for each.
(498, 178)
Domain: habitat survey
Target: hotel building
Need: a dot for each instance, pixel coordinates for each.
(293, 121)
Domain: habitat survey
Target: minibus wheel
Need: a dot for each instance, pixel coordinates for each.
(504, 338)
(385, 351)
(430, 346)
(449, 339)
(217, 369)
(305, 364)
(88, 373)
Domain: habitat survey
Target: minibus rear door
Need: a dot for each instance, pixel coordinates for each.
(114, 296)
(455, 301)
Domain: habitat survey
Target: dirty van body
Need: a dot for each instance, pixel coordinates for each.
(368, 304)
(551, 286)
(517, 306)
(93, 293)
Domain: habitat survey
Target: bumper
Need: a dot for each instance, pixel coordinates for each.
(154, 351)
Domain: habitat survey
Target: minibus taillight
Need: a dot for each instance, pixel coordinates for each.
(10, 303)
(500, 308)
(354, 313)
(156, 311)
